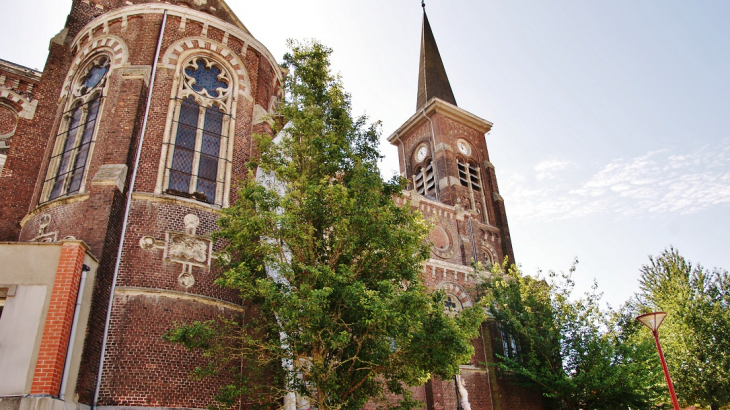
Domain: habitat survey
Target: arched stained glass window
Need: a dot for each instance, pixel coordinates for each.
(75, 140)
(199, 145)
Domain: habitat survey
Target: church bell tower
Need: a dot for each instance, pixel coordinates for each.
(443, 153)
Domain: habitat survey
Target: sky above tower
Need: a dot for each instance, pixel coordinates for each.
(611, 118)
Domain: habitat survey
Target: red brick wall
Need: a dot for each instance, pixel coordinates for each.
(142, 268)
(142, 369)
(28, 149)
(57, 328)
(8, 120)
(512, 397)
(95, 8)
(97, 219)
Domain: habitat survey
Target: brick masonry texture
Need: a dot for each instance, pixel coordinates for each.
(146, 269)
(57, 329)
(96, 215)
(8, 121)
(141, 369)
(144, 370)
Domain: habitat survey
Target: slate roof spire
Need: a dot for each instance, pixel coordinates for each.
(432, 78)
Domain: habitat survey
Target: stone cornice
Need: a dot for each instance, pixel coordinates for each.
(171, 294)
(468, 270)
(176, 200)
(19, 70)
(436, 105)
(64, 200)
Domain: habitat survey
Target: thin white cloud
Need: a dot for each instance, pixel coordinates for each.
(658, 182)
(548, 169)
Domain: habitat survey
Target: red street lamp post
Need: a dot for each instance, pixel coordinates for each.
(653, 321)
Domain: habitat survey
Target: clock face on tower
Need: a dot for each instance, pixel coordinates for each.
(421, 154)
(463, 147)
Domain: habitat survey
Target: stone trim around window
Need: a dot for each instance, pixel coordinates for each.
(197, 149)
(73, 148)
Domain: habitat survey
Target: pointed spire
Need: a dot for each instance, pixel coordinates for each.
(432, 78)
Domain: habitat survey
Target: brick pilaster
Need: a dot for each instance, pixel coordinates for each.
(57, 329)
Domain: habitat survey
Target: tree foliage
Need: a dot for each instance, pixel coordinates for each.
(331, 264)
(575, 352)
(695, 335)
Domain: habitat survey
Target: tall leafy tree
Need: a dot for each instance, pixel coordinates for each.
(331, 265)
(695, 335)
(575, 352)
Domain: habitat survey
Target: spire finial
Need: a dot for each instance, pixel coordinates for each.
(423, 4)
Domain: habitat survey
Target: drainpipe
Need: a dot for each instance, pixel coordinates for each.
(74, 328)
(403, 149)
(126, 210)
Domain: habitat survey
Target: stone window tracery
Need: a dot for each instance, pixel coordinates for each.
(75, 140)
(198, 148)
(452, 305)
(456, 299)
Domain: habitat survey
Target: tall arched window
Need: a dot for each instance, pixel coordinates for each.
(75, 140)
(196, 162)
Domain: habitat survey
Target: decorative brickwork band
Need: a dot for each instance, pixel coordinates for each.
(57, 329)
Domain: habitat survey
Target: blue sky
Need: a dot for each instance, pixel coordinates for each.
(611, 118)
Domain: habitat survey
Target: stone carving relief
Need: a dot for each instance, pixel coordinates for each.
(44, 236)
(185, 248)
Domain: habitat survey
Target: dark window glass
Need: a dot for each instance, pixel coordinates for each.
(65, 160)
(509, 345)
(206, 79)
(96, 74)
(85, 144)
(209, 151)
(182, 158)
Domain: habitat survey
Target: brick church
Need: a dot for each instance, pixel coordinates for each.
(115, 163)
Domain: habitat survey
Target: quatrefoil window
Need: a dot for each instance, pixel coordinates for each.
(206, 78)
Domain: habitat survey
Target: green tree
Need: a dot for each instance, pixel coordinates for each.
(576, 353)
(695, 335)
(331, 264)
